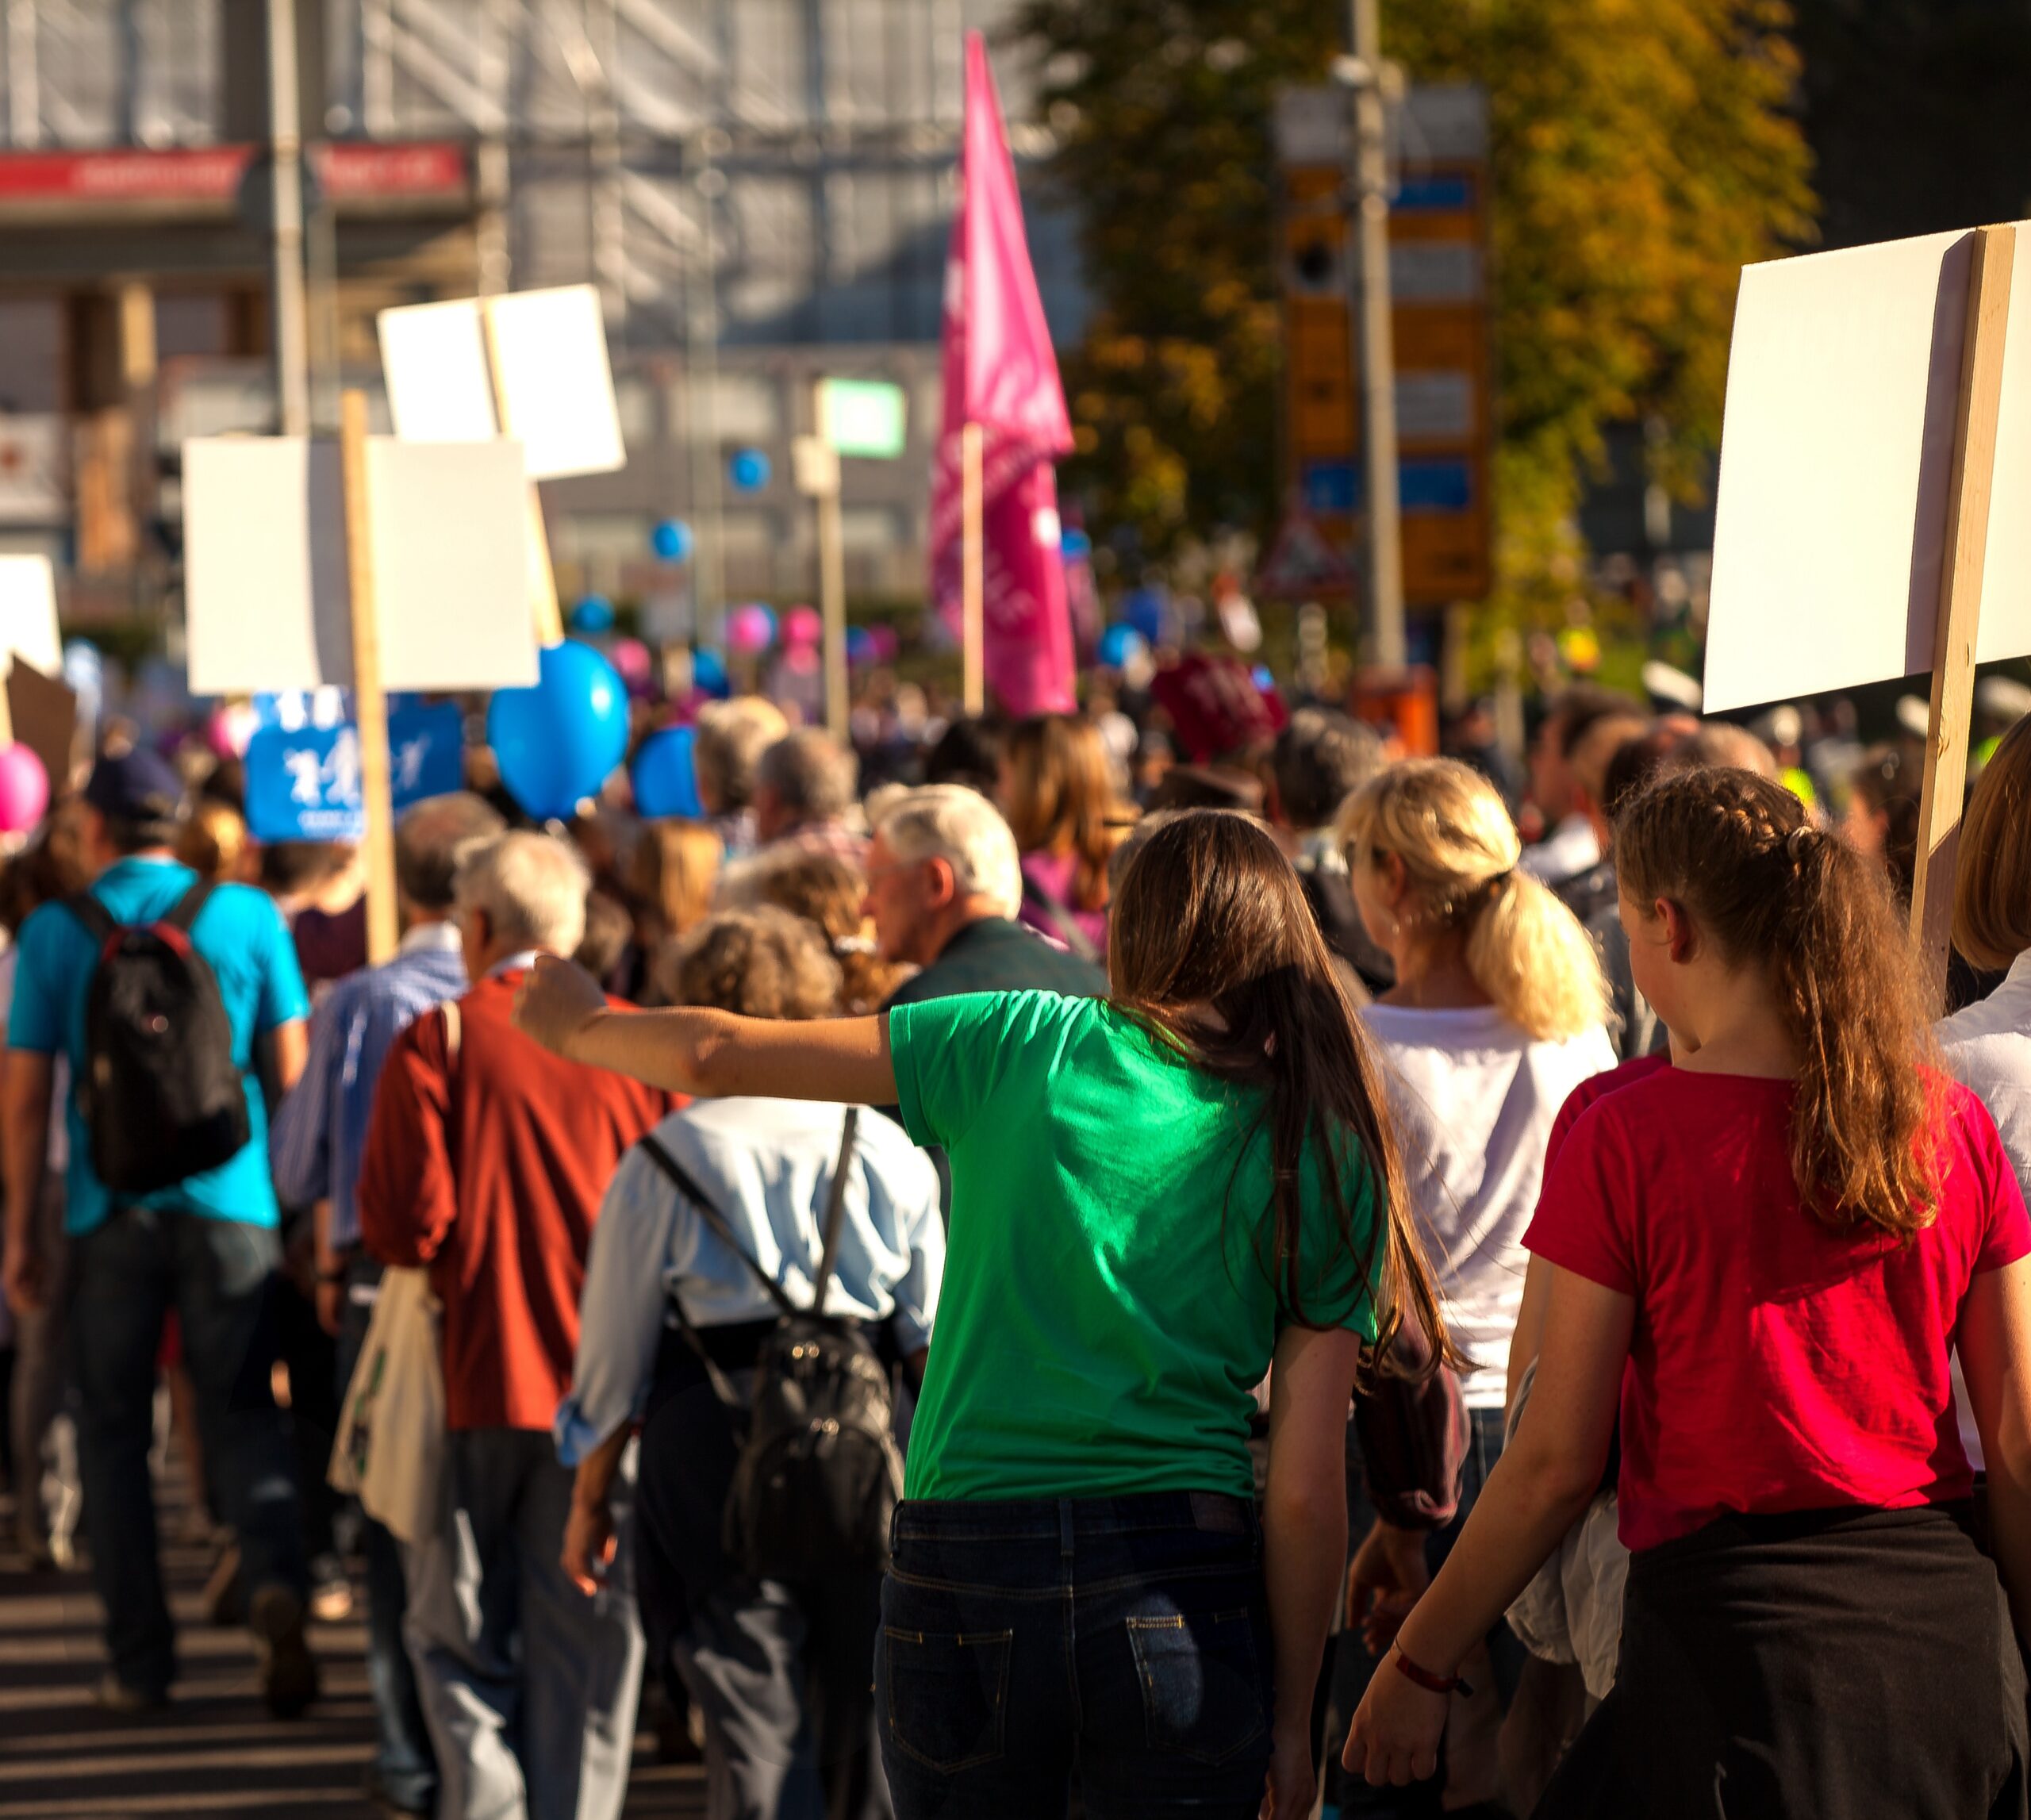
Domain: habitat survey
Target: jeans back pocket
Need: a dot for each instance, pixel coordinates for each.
(1204, 1693)
(946, 1694)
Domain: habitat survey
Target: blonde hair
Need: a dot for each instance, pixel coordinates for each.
(671, 874)
(1459, 848)
(1992, 878)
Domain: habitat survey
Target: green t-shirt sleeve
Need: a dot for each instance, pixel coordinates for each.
(1337, 1291)
(951, 1053)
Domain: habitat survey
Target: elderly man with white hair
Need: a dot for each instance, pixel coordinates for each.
(486, 1159)
(943, 886)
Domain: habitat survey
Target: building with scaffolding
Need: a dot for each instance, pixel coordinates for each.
(762, 190)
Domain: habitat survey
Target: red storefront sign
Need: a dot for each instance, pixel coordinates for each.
(349, 171)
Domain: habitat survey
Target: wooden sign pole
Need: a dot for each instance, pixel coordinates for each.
(543, 610)
(973, 588)
(1980, 404)
(370, 707)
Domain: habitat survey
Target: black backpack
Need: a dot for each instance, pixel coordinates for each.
(159, 1091)
(817, 1473)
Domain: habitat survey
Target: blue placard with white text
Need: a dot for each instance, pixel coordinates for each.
(304, 783)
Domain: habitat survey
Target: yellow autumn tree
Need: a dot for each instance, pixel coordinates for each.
(1642, 151)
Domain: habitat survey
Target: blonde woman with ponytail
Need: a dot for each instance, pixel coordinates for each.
(1498, 1013)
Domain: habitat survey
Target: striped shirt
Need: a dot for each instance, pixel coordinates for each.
(321, 1129)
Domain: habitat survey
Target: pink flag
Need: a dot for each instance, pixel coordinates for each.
(1000, 374)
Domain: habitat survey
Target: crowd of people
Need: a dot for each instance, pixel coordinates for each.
(1192, 1268)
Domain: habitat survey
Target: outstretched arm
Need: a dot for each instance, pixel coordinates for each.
(712, 1054)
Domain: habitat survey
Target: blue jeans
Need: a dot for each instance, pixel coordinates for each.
(402, 1755)
(1126, 1640)
(1351, 1667)
(125, 1276)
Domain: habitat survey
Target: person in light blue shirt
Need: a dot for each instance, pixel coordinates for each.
(205, 1246)
(778, 1672)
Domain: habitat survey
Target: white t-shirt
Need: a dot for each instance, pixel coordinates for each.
(1988, 1047)
(1474, 1098)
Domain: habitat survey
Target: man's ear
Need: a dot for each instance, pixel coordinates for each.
(942, 890)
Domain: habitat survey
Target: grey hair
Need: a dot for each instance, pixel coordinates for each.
(961, 827)
(731, 737)
(531, 886)
(812, 774)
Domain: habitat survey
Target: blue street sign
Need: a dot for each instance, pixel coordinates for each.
(1424, 483)
(304, 785)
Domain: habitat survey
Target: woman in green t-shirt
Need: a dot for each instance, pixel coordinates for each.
(1156, 1196)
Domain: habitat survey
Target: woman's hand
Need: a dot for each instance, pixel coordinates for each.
(1394, 1737)
(555, 1001)
(587, 1544)
(1293, 1779)
(1388, 1574)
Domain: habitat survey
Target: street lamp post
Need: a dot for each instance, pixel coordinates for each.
(1373, 348)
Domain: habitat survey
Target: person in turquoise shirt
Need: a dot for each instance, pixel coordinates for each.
(205, 1246)
(1155, 1197)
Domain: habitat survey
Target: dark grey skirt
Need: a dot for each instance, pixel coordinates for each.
(1847, 1665)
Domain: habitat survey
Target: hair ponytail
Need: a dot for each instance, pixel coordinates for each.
(1525, 949)
(1772, 891)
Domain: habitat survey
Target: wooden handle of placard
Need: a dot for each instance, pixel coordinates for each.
(370, 706)
(1959, 623)
(973, 581)
(544, 612)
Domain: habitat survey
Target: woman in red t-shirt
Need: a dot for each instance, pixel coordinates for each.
(1763, 1255)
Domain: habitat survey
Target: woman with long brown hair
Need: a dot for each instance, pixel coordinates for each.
(1059, 797)
(1154, 1195)
(1762, 1258)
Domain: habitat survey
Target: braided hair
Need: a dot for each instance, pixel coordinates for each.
(1738, 851)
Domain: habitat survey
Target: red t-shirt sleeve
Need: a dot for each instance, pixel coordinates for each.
(1586, 1216)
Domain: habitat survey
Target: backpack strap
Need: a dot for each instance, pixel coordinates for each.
(97, 919)
(835, 1209)
(653, 1147)
(1063, 923)
(187, 909)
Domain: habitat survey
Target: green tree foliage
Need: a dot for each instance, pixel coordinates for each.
(1643, 151)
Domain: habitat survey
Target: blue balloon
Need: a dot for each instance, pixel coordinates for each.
(557, 743)
(593, 614)
(665, 777)
(749, 470)
(671, 540)
(1144, 609)
(1261, 677)
(1074, 545)
(1119, 645)
(708, 674)
(860, 645)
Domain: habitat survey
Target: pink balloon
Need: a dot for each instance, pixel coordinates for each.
(230, 728)
(884, 644)
(750, 628)
(24, 790)
(802, 626)
(630, 657)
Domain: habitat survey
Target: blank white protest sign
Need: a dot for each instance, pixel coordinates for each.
(268, 599)
(549, 367)
(1837, 450)
(28, 615)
